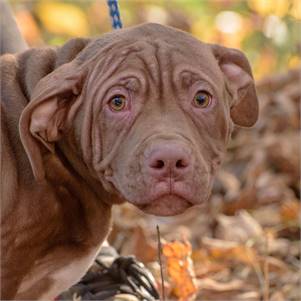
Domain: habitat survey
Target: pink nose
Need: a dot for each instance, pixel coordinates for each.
(168, 161)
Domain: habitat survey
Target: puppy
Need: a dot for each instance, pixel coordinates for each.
(142, 114)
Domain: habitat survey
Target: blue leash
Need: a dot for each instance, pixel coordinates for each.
(114, 13)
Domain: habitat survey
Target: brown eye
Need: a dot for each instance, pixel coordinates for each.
(117, 102)
(202, 99)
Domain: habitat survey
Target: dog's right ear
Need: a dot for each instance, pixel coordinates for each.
(50, 112)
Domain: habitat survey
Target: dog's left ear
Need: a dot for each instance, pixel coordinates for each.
(50, 112)
(238, 74)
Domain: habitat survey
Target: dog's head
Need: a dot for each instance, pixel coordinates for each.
(150, 109)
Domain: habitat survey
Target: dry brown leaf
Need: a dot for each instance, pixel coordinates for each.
(277, 296)
(248, 296)
(247, 199)
(240, 228)
(144, 248)
(275, 264)
(210, 284)
(268, 215)
(230, 182)
(290, 211)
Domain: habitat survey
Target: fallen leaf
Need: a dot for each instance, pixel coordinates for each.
(290, 211)
(240, 228)
(210, 284)
(230, 251)
(180, 269)
(275, 264)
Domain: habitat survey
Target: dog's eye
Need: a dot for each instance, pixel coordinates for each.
(117, 102)
(202, 99)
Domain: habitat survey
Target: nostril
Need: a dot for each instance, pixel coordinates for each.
(158, 164)
(181, 164)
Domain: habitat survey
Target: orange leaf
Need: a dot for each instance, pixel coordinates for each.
(290, 211)
(180, 269)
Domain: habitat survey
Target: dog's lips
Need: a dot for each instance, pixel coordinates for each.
(166, 205)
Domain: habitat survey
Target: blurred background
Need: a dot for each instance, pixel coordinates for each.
(244, 244)
(268, 31)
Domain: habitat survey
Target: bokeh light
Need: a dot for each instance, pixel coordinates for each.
(267, 31)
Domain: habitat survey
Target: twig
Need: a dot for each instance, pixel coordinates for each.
(257, 269)
(266, 293)
(160, 263)
(259, 275)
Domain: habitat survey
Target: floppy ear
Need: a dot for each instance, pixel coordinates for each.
(50, 112)
(237, 71)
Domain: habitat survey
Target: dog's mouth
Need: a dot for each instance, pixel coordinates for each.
(166, 205)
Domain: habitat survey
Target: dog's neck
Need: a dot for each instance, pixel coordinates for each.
(65, 180)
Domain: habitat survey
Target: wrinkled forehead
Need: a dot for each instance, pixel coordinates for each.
(161, 60)
(173, 57)
(158, 52)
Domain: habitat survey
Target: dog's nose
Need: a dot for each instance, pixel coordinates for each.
(168, 160)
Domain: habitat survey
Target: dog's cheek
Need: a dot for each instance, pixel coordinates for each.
(121, 178)
(201, 179)
(134, 184)
(129, 179)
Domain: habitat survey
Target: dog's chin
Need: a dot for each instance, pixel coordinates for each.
(167, 205)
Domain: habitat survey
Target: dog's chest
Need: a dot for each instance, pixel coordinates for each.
(46, 280)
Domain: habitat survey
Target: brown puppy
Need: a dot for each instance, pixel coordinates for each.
(141, 115)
